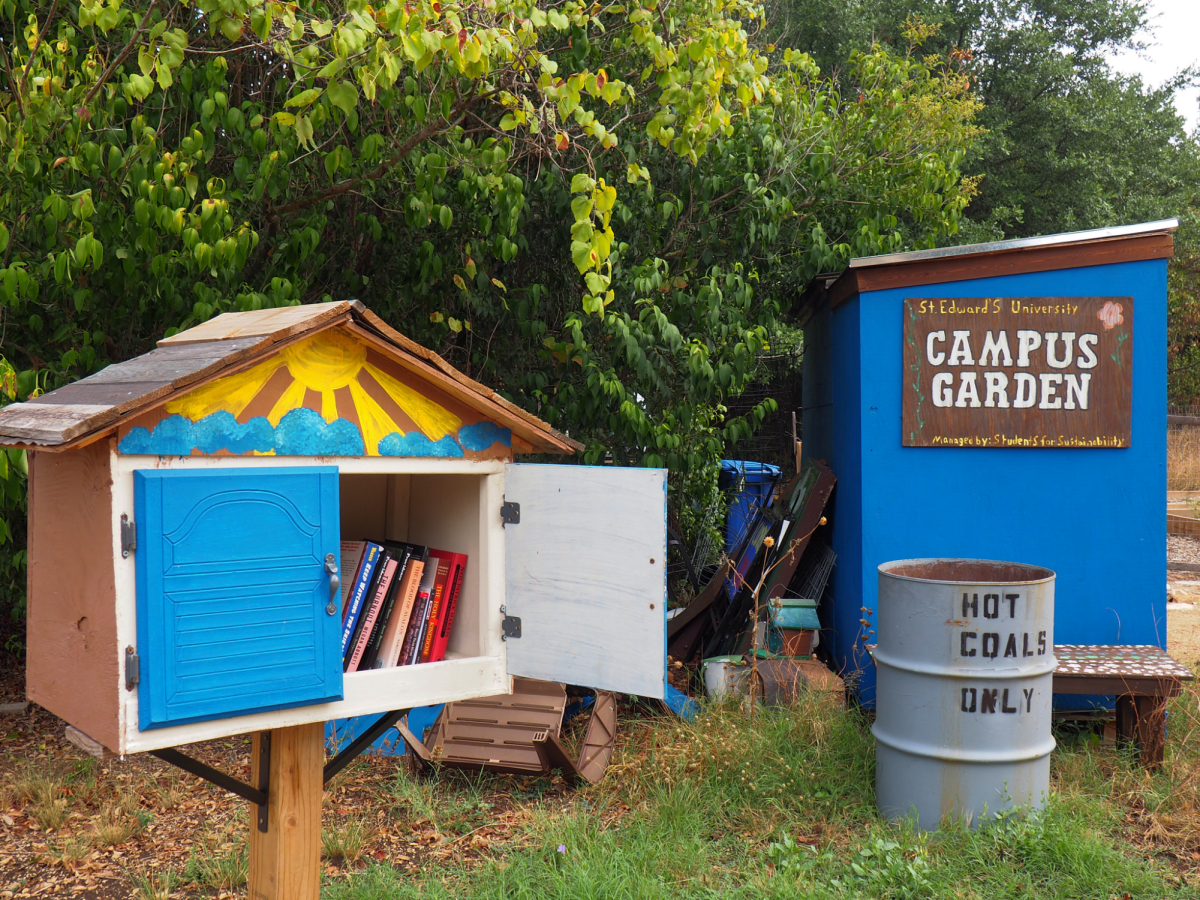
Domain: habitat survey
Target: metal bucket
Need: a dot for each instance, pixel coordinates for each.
(964, 667)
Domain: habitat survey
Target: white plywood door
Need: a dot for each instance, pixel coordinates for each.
(586, 575)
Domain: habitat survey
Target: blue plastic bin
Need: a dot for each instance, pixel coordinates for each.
(750, 484)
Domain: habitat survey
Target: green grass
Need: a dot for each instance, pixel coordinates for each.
(782, 806)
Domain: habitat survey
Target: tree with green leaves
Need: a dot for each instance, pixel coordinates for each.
(600, 209)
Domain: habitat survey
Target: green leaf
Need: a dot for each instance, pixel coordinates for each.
(446, 217)
(343, 95)
(304, 130)
(304, 98)
(3, 237)
(582, 183)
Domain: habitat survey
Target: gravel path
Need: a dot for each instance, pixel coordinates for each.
(1181, 548)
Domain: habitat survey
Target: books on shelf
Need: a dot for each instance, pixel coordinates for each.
(398, 607)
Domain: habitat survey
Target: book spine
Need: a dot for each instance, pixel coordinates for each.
(351, 562)
(414, 628)
(441, 640)
(365, 571)
(408, 654)
(381, 590)
(393, 641)
(385, 611)
(380, 562)
(435, 608)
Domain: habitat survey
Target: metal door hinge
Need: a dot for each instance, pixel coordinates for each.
(510, 513)
(128, 536)
(132, 669)
(510, 626)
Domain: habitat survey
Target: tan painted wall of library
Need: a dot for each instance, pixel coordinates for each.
(73, 663)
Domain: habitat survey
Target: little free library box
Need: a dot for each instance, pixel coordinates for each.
(188, 507)
(991, 402)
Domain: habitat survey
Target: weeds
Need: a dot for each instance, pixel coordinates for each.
(221, 860)
(113, 827)
(49, 810)
(170, 791)
(70, 853)
(154, 886)
(346, 841)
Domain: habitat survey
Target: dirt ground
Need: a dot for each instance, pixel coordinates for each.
(1183, 595)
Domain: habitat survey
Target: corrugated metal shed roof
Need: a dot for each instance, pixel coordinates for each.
(1100, 246)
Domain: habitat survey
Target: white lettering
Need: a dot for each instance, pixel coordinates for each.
(960, 353)
(1049, 382)
(968, 391)
(995, 347)
(1027, 342)
(1086, 343)
(1077, 389)
(997, 388)
(1026, 390)
(942, 394)
(1068, 349)
(936, 358)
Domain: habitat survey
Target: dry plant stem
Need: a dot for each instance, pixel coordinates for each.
(757, 609)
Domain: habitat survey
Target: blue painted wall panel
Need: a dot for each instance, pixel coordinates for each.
(232, 592)
(1093, 516)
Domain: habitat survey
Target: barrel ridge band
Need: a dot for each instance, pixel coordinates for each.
(1023, 754)
(1046, 668)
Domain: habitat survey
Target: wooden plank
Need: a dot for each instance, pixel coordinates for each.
(118, 396)
(51, 423)
(1018, 372)
(285, 862)
(992, 263)
(1182, 525)
(73, 661)
(1117, 685)
(279, 323)
(585, 572)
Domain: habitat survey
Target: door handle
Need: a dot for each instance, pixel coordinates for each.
(334, 583)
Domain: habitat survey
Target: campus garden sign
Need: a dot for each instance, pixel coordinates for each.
(1018, 372)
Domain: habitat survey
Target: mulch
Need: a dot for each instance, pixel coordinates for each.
(185, 816)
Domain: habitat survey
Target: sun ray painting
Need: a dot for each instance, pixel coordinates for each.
(321, 396)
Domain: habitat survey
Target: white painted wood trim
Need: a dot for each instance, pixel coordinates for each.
(124, 465)
(366, 693)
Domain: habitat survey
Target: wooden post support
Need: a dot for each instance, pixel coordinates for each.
(285, 862)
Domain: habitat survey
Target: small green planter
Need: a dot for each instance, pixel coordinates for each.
(794, 612)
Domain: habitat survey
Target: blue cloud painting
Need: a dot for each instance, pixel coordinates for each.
(416, 444)
(302, 432)
(481, 435)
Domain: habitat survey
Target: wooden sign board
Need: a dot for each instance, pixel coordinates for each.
(1018, 372)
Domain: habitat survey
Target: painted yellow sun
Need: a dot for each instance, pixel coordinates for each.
(323, 363)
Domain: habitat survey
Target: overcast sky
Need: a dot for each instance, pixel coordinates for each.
(1174, 44)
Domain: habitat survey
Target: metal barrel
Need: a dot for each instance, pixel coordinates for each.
(964, 667)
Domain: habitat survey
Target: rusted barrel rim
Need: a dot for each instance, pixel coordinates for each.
(949, 570)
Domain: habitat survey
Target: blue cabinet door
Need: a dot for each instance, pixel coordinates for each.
(232, 592)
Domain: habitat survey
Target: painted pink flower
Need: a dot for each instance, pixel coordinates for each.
(1110, 315)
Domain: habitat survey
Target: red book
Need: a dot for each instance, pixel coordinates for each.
(454, 582)
(385, 582)
(436, 604)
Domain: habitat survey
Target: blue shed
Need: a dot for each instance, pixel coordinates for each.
(990, 401)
